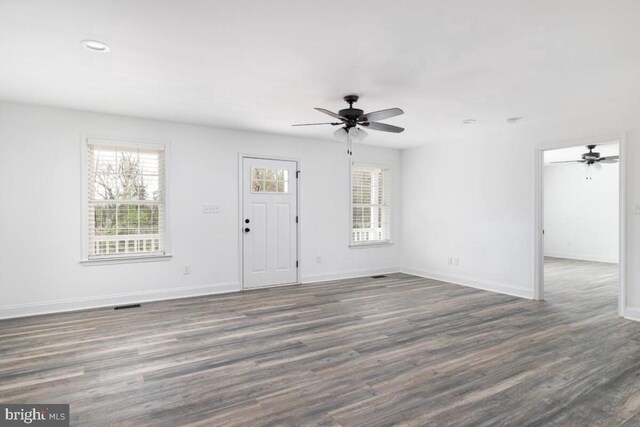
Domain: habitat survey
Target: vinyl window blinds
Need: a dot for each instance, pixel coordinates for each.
(126, 199)
(370, 204)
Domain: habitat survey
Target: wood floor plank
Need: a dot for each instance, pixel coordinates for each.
(398, 350)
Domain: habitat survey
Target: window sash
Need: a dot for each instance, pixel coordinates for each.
(126, 226)
(370, 204)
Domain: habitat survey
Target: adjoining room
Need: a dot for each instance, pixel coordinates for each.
(582, 227)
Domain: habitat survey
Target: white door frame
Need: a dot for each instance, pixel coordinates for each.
(538, 271)
(241, 157)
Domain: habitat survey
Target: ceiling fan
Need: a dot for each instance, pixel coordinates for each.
(592, 159)
(352, 120)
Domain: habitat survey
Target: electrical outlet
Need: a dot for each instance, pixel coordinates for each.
(210, 209)
(319, 259)
(186, 269)
(450, 260)
(456, 261)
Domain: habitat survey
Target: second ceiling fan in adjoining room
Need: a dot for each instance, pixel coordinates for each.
(592, 159)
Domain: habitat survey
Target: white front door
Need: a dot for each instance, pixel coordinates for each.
(269, 227)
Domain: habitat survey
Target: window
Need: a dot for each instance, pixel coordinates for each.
(264, 180)
(370, 204)
(125, 200)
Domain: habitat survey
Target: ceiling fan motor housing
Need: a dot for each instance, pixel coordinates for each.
(351, 114)
(591, 157)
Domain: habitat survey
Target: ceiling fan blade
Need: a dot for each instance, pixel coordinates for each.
(314, 124)
(331, 113)
(570, 161)
(382, 126)
(609, 159)
(380, 115)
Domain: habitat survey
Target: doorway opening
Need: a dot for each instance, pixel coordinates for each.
(580, 221)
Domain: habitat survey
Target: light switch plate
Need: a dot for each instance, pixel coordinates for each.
(210, 209)
(636, 208)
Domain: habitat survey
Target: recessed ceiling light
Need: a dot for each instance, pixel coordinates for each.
(468, 121)
(513, 120)
(95, 46)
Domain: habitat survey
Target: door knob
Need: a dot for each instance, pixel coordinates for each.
(247, 221)
(247, 229)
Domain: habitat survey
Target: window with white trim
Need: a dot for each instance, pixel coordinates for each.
(125, 199)
(370, 204)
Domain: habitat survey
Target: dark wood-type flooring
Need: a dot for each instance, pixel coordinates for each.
(365, 352)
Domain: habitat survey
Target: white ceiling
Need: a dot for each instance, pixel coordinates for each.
(262, 65)
(575, 153)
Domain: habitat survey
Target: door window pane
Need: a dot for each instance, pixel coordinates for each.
(265, 180)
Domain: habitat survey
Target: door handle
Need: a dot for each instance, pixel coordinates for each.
(247, 229)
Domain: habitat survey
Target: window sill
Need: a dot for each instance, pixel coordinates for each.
(369, 245)
(125, 260)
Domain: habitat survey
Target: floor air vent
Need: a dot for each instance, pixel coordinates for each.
(379, 276)
(122, 307)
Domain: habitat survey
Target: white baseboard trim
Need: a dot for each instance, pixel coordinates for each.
(472, 283)
(59, 306)
(32, 309)
(632, 313)
(593, 258)
(351, 274)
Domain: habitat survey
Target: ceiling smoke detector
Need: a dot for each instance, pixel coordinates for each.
(95, 46)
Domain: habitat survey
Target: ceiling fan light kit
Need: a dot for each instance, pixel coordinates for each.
(355, 134)
(352, 120)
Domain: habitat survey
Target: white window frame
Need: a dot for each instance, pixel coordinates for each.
(133, 144)
(371, 243)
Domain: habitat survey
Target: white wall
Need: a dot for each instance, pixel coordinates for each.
(472, 200)
(475, 200)
(632, 239)
(580, 215)
(40, 210)
(466, 201)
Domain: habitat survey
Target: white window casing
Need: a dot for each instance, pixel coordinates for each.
(371, 187)
(124, 201)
